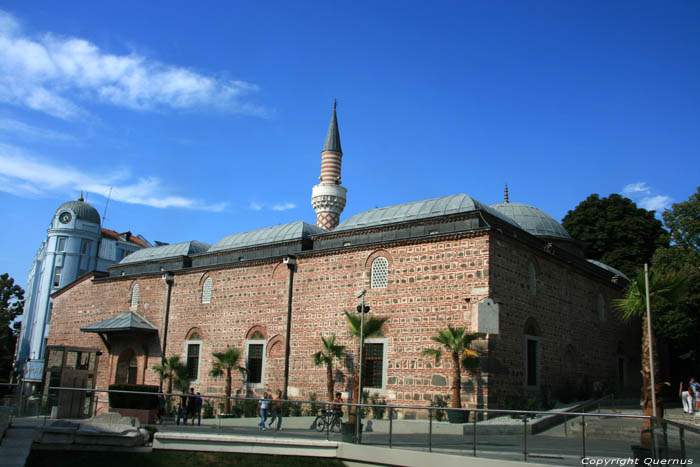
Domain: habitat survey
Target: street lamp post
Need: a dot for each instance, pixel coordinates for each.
(358, 412)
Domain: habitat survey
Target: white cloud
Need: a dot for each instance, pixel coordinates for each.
(50, 73)
(283, 206)
(17, 128)
(655, 203)
(23, 175)
(635, 188)
(255, 206)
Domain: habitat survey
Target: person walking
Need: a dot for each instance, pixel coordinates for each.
(191, 406)
(200, 402)
(182, 410)
(695, 387)
(264, 406)
(687, 397)
(276, 410)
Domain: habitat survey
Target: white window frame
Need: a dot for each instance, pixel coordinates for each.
(385, 363)
(248, 343)
(375, 284)
(135, 296)
(61, 248)
(199, 358)
(57, 273)
(209, 281)
(538, 360)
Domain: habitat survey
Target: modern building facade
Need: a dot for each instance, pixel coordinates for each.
(75, 245)
(507, 270)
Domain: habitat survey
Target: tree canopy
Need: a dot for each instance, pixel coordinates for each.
(615, 231)
(11, 307)
(683, 220)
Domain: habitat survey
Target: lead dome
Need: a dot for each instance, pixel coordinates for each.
(533, 220)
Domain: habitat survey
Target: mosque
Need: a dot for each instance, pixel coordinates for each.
(508, 270)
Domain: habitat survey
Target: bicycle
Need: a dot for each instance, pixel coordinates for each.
(328, 418)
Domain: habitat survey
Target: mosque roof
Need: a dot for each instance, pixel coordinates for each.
(333, 136)
(532, 220)
(276, 234)
(129, 321)
(81, 209)
(166, 251)
(608, 268)
(428, 208)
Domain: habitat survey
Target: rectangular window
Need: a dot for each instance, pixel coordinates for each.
(532, 358)
(57, 276)
(372, 370)
(84, 246)
(255, 363)
(82, 362)
(61, 244)
(193, 361)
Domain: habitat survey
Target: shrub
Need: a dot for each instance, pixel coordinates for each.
(120, 400)
(151, 432)
(440, 401)
(295, 409)
(313, 407)
(519, 402)
(377, 412)
(207, 409)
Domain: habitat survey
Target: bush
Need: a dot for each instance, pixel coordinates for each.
(207, 409)
(518, 402)
(312, 408)
(295, 409)
(377, 412)
(119, 400)
(440, 401)
(151, 431)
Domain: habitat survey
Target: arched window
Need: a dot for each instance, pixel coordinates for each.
(206, 290)
(601, 307)
(532, 353)
(379, 273)
(532, 276)
(193, 347)
(255, 358)
(135, 296)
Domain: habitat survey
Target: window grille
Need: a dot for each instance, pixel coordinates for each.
(379, 273)
(255, 363)
(373, 365)
(192, 361)
(135, 296)
(206, 290)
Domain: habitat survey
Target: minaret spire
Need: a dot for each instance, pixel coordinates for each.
(328, 197)
(505, 200)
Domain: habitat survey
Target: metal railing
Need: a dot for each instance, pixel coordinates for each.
(389, 436)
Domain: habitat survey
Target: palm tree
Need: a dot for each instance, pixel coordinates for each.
(181, 378)
(458, 343)
(633, 305)
(372, 327)
(167, 369)
(226, 362)
(328, 353)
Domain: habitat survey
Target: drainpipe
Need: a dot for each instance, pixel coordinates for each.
(168, 278)
(291, 262)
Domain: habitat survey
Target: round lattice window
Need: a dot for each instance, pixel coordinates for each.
(380, 272)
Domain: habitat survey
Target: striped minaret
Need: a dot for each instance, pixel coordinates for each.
(328, 197)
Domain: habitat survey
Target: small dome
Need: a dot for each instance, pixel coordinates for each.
(532, 220)
(81, 209)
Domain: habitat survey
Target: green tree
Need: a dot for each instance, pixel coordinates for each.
(683, 220)
(11, 307)
(168, 370)
(330, 351)
(225, 363)
(615, 231)
(669, 289)
(457, 343)
(373, 326)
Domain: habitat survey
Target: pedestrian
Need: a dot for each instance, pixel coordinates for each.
(695, 386)
(161, 409)
(199, 408)
(191, 406)
(264, 406)
(182, 409)
(276, 410)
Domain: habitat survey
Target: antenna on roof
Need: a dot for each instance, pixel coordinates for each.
(104, 214)
(505, 200)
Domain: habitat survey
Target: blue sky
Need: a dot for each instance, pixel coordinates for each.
(207, 118)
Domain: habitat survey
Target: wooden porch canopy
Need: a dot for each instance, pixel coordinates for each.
(129, 322)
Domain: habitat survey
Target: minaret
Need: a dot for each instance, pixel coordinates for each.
(505, 197)
(328, 197)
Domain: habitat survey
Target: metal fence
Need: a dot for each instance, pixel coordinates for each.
(497, 433)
